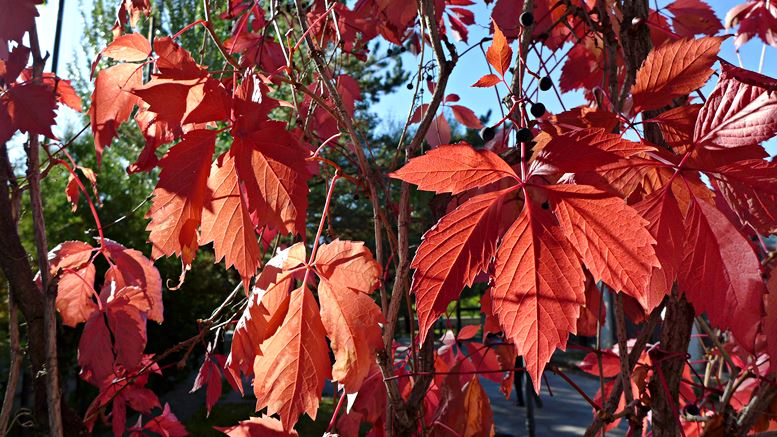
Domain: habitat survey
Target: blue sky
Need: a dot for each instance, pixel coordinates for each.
(394, 107)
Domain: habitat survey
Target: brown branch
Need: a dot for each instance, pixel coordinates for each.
(15, 366)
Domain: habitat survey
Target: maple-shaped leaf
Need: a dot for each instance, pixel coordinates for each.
(720, 273)
(582, 150)
(257, 426)
(741, 111)
(352, 321)
(609, 235)
(693, 17)
(61, 88)
(290, 374)
(132, 268)
(176, 210)
(750, 189)
(226, 221)
(112, 103)
(454, 168)
(273, 168)
(663, 213)
(209, 375)
(31, 108)
(674, 69)
(677, 124)
(166, 424)
(499, 53)
(348, 264)
(770, 318)
(75, 291)
(453, 252)
(17, 18)
(539, 288)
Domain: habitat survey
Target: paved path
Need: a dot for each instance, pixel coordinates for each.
(565, 413)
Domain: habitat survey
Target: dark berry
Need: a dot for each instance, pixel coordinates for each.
(545, 205)
(527, 19)
(402, 49)
(389, 52)
(487, 133)
(692, 410)
(524, 135)
(429, 77)
(537, 110)
(511, 70)
(410, 86)
(546, 83)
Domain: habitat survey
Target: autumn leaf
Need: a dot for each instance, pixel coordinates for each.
(257, 426)
(454, 168)
(539, 288)
(720, 273)
(466, 117)
(487, 81)
(166, 424)
(741, 111)
(609, 235)
(132, 268)
(132, 47)
(75, 291)
(226, 221)
(290, 373)
(209, 375)
(112, 103)
(31, 107)
(176, 210)
(672, 70)
(499, 53)
(452, 253)
(348, 265)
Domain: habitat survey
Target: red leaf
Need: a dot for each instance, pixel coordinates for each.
(273, 168)
(499, 53)
(720, 273)
(95, 350)
(452, 253)
(209, 375)
(74, 296)
(18, 16)
(132, 47)
(454, 168)
(439, 132)
(609, 235)
(295, 362)
(663, 213)
(673, 70)
(179, 196)
(179, 100)
(754, 17)
(348, 265)
(468, 332)
(352, 322)
(487, 81)
(133, 269)
(592, 314)
(69, 255)
(677, 124)
(112, 103)
(31, 108)
(741, 111)
(14, 64)
(225, 220)
(539, 288)
(750, 190)
(257, 426)
(693, 17)
(611, 364)
(583, 150)
(770, 319)
(267, 307)
(166, 424)
(466, 117)
(468, 413)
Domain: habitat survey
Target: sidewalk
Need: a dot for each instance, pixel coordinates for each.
(565, 413)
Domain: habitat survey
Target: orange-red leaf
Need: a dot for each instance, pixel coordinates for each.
(264, 426)
(295, 362)
(74, 295)
(720, 273)
(351, 319)
(452, 254)
(674, 69)
(31, 107)
(348, 264)
(225, 220)
(539, 288)
(132, 269)
(132, 47)
(466, 117)
(112, 103)
(454, 168)
(499, 53)
(610, 236)
(179, 196)
(487, 81)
